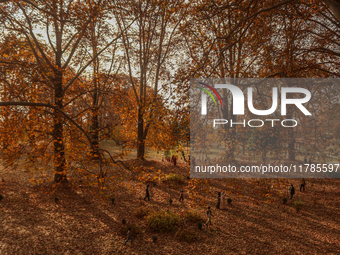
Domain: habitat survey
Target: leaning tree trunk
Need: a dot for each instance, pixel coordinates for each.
(58, 133)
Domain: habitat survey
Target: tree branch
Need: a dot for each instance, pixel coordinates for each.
(52, 107)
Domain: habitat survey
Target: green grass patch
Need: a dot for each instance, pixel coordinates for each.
(173, 179)
(193, 216)
(142, 212)
(163, 221)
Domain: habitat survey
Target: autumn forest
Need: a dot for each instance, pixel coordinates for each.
(97, 137)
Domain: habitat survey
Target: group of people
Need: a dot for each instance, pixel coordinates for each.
(221, 199)
(147, 194)
(291, 189)
(219, 205)
(173, 159)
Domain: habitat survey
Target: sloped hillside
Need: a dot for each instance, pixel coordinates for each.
(256, 221)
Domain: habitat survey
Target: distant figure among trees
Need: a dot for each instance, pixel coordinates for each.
(218, 200)
(222, 201)
(129, 236)
(181, 198)
(174, 159)
(303, 184)
(305, 160)
(209, 215)
(291, 191)
(147, 195)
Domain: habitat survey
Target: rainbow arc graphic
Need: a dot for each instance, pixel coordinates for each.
(208, 92)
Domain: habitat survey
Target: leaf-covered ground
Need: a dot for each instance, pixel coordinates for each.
(257, 222)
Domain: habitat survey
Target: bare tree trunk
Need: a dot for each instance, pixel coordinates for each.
(95, 100)
(95, 134)
(140, 138)
(58, 133)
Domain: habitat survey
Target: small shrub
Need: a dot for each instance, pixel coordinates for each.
(1, 197)
(124, 221)
(192, 216)
(56, 200)
(170, 201)
(112, 200)
(229, 201)
(186, 235)
(163, 221)
(154, 238)
(284, 200)
(199, 225)
(173, 179)
(142, 212)
(297, 204)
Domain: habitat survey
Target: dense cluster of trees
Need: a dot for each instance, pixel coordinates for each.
(274, 40)
(74, 73)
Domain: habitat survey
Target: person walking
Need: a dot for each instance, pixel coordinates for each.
(303, 184)
(129, 236)
(147, 193)
(218, 200)
(222, 202)
(209, 215)
(175, 160)
(181, 198)
(291, 191)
